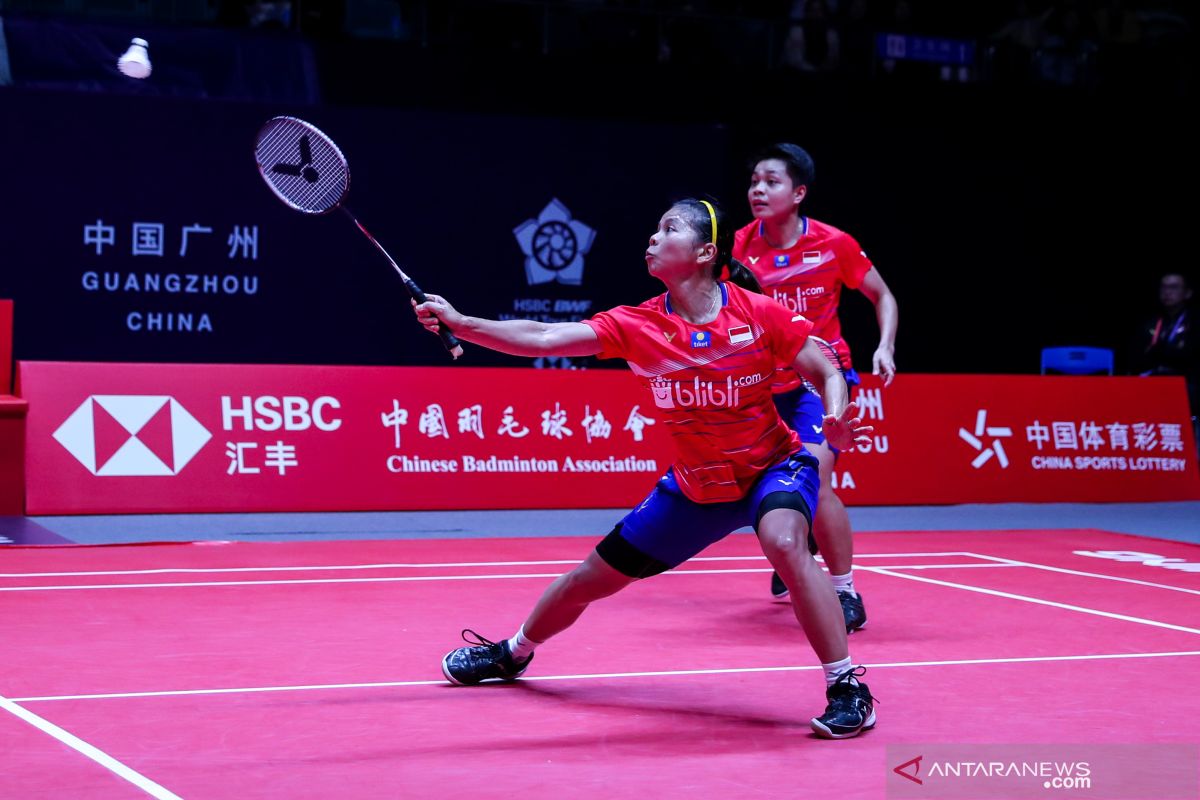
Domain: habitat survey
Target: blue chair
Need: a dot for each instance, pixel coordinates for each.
(1077, 361)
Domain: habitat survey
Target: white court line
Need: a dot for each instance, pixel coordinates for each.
(407, 565)
(416, 578)
(400, 579)
(1036, 600)
(1066, 571)
(606, 675)
(935, 566)
(99, 756)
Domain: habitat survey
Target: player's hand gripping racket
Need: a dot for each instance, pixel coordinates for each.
(307, 171)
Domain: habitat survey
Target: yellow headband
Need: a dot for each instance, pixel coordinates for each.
(712, 215)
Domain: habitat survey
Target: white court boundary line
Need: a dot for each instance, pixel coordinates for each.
(416, 565)
(889, 570)
(1035, 600)
(421, 578)
(95, 754)
(1066, 571)
(608, 675)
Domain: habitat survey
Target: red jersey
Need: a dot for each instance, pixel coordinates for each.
(712, 384)
(806, 278)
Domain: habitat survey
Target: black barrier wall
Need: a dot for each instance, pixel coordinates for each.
(1003, 222)
(138, 229)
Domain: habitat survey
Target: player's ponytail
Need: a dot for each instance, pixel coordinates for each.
(741, 275)
(705, 215)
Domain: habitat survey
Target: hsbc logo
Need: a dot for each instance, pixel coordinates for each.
(128, 435)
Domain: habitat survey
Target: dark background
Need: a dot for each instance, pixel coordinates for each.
(1006, 211)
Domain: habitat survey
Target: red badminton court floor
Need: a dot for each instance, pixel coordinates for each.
(312, 670)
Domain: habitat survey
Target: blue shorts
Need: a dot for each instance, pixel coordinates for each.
(667, 528)
(804, 412)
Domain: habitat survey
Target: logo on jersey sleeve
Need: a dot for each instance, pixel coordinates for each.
(741, 333)
(782, 261)
(701, 339)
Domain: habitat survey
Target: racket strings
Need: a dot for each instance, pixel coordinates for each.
(831, 355)
(302, 166)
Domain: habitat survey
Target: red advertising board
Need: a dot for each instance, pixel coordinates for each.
(6, 345)
(113, 438)
(943, 439)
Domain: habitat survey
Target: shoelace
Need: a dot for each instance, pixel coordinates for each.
(855, 672)
(478, 640)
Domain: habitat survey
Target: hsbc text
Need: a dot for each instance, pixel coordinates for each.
(273, 413)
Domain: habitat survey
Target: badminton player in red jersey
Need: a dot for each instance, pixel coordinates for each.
(803, 264)
(708, 350)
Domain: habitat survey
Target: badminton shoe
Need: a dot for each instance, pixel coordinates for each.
(851, 708)
(852, 610)
(484, 660)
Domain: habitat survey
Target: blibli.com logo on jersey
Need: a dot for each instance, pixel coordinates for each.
(701, 394)
(797, 301)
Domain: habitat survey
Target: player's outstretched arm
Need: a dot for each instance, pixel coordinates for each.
(518, 337)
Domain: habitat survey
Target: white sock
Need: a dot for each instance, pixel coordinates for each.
(832, 671)
(844, 583)
(521, 645)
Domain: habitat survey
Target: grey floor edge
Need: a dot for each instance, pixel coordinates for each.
(1177, 521)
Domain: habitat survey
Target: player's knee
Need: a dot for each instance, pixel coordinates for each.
(784, 536)
(580, 585)
(592, 580)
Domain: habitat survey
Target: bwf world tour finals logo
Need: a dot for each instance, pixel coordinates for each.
(554, 245)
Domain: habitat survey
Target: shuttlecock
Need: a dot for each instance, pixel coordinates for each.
(136, 61)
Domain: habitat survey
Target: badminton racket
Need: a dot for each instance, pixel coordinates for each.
(307, 171)
(831, 355)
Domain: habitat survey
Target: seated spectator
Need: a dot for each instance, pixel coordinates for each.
(812, 44)
(1068, 48)
(1167, 344)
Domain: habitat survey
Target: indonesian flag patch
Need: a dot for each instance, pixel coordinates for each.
(741, 333)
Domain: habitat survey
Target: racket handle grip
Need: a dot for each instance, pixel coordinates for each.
(449, 340)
